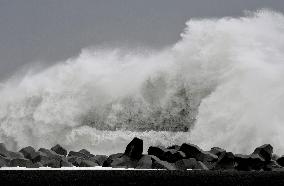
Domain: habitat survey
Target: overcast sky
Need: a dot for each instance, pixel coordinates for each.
(53, 30)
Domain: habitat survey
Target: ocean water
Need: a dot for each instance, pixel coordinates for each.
(221, 84)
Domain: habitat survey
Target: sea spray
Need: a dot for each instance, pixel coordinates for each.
(220, 85)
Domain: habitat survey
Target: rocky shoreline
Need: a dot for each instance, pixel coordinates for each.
(184, 157)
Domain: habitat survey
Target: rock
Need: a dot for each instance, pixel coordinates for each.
(100, 159)
(21, 163)
(185, 164)
(206, 157)
(225, 161)
(159, 164)
(110, 159)
(50, 158)
(78, 154)
(190, 150)
(190, 163)
(272, 165)
(87, 153)
(30, 153)
(217, 151)
(66, 164)
(76, 161)
(88, 163)
(201, 166)
(59, 150)
(145, 162)
(249, 162)
(193, 151)
(164, 154)
(280, 161)
(15, 155)
(3, 151)
(265, 151)
(4, 161)
(124, 162)
(134, 149)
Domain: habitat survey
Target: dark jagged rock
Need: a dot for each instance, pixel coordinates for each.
(201, 166)
(124, 162)
(217, 151)
(50, 158)
(190, 150)
(190, 163)
(86, 152)
(280, 161)
(225, 162)
(193, 151)
(134, 149)
(249, 162)
(100, 159)
(159, 164)
(165, 154)
(88, 163)
(78, 154)
(59, 150)
(22, 163)
(111, 158)
(265, 151)
(30, 153)
(145, 162)
(185, 164)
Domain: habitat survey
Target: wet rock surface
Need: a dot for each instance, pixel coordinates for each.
(185, 157)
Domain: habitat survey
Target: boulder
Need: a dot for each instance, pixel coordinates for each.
(225, 161)
(109, 160)
(59, 150)
(165, 154)
(50, 158)
(134, 149)
(159, 164)
(201, 166)
(78, 154)
(145, 162)
(190, 163)
(217, 151)
(88, 163)
(249, 162)
(99, 159)
(124, 162)
(185, 164)
(265, 151)
(193, 151)
(86, 152)
(30, 153)
(190, 150)
(280, 161)
(22, 163)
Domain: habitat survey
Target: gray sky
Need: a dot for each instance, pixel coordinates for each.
(52, 30)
